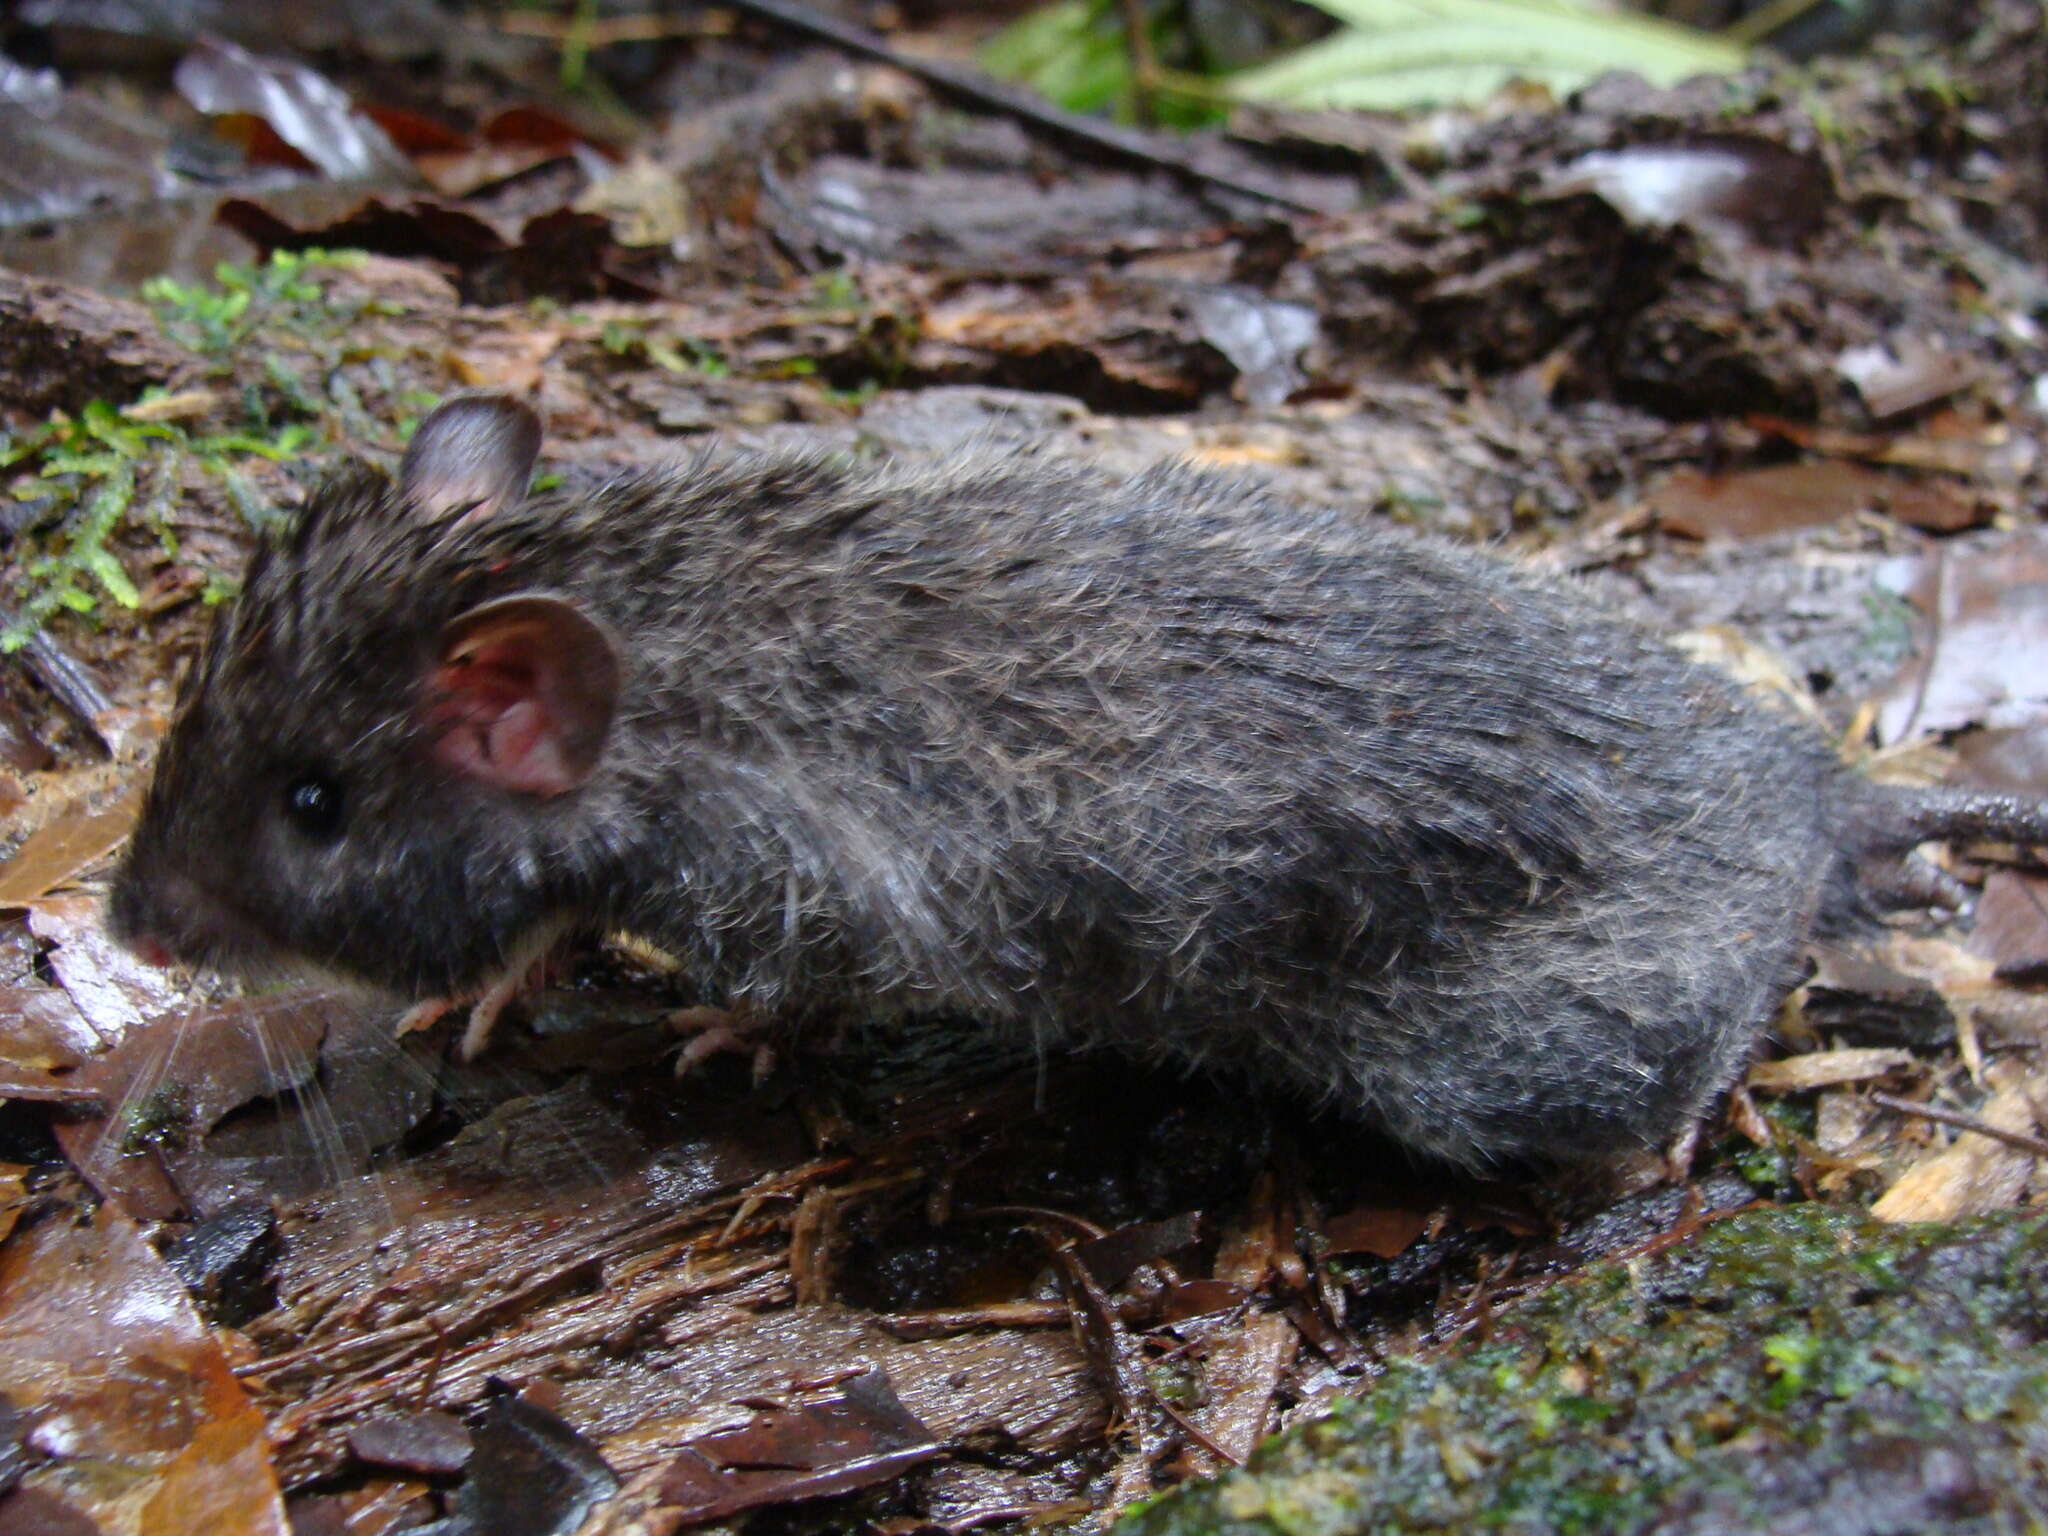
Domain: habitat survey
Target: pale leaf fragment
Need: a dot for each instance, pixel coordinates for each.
(1828, 1069)
(1973, 1174)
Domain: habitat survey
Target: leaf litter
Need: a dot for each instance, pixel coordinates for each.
(553, 1286)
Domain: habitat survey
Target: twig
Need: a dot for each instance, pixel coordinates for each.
(608, 31)
(1144, 66)
(1194, 1433)
(1962, 1122)
(65, 676)
(1764, 20)
(1129, 144)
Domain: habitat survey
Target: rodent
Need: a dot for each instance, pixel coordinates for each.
(1170, 765)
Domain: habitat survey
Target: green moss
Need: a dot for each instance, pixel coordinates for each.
(84, 476)
(284, 293)
(162, 1118)
(288, 347)
(637, 339)
(1775, 1362)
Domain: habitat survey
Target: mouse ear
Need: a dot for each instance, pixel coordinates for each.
(474, 452)
(522, 695)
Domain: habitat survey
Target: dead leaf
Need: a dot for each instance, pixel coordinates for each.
(1976, 451)
(412, 1442)
(171, 1082)
(300, 105)
(531, 1471)
(113, 989)
(43, 1040)
(1828, 1069)
(1112, 1258)
(2011, 929)
(1242, 1370)
(1985, 661)
(1385, 1232)
(1840, 1120)
(1904, 374)
(1779, 498)
(859, 1437)
(51, 856)
(1974, 1174)
(123, 1387)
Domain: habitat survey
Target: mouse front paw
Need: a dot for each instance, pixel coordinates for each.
(711, 1031)
(527, 972)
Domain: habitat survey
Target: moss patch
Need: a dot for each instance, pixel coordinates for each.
(1795, 1370)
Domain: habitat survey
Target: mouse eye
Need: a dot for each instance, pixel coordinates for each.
(314, 806)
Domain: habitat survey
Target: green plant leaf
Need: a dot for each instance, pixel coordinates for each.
(1398, 54)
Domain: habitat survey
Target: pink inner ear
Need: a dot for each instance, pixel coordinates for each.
(498, 735)
(522, 697)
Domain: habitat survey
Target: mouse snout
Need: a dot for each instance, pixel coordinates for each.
(164, 917)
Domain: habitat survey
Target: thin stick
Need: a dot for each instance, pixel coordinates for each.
(1764, 20)
(67, 678)
(1144, 67)
(1129, 144)
(1962, 1122)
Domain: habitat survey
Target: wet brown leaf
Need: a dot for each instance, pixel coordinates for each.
(43, 1040)
(123, 1387)
(863, 1435)
(1778, 498)
(112, 988)
(1385, 1232)
(299, 104)
(1112, 1258)
(412, 1442)
(531, 1473)
(53, 855)
(171, 1082)
(1243, 1368)
(561, 254)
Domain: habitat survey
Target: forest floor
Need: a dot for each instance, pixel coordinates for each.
(1754, 357)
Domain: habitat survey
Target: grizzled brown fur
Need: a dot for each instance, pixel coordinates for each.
(1169, 765)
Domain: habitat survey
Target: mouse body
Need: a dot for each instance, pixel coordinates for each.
(1167, 764)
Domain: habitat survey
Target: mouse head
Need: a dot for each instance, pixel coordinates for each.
(390, 760)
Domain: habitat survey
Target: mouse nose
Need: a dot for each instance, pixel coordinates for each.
(156, 918)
